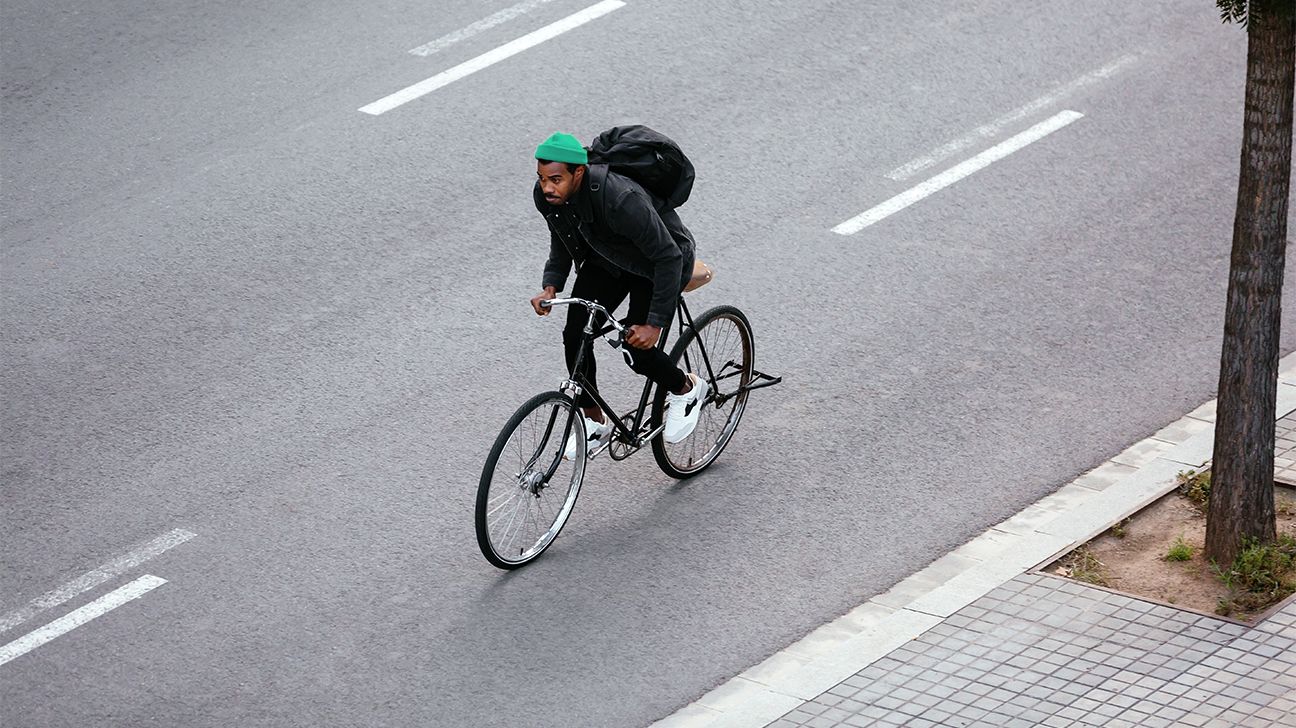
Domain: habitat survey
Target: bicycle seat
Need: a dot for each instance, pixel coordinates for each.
(702, 275)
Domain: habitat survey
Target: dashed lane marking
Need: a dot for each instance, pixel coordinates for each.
(484, 24)
(80, 616)
(993, 128)
(94, 578)
(956, 173)
(490, 58)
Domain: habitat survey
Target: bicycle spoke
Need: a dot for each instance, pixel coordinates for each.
(504, 500)
(517, 514)
(509, 526)
(727, 345)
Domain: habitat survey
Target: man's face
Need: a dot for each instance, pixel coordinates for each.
(558, 184)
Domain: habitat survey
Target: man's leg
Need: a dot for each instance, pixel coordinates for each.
(652, 363)
(686, 392)
(592, 284)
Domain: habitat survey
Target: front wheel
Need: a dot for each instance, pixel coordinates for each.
(527, 487)
(718, 348)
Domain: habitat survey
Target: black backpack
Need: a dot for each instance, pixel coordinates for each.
(647, 157)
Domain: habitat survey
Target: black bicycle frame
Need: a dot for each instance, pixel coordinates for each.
(578, 376)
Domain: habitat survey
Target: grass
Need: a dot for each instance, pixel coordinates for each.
(1120, 530)
(1263, 574)
(1082, 565)
(1195, 487)
(1179, 551)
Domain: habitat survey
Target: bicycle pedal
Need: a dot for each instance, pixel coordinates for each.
(599, 450)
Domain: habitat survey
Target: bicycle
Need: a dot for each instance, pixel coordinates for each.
(525, 499)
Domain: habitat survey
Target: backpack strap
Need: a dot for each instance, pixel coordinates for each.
(596, 184)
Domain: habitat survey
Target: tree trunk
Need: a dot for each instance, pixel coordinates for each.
(1242, 500)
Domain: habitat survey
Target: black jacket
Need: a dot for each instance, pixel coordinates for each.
(612, 217)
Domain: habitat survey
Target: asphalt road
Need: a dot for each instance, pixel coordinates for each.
(233, 304)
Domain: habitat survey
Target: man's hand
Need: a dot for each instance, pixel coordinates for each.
(644, 336)
(545, 295)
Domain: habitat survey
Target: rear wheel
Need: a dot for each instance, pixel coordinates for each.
(720, 349)
(527, 488)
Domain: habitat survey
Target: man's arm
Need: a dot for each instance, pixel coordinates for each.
(558, 266)
(556, 270)
(634, 217)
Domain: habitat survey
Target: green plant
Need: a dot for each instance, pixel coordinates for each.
(1082, 565)
(1262, 574)
(1194, 486)
(1120, 530)
(1180, 551)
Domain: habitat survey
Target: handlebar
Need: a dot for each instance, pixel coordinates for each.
(593, 309)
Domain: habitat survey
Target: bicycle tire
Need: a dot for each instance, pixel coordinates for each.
(681, 460)
(522, 493)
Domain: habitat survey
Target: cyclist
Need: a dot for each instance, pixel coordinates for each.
(624, 242)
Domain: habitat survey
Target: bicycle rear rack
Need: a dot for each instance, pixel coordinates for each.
(760, 380)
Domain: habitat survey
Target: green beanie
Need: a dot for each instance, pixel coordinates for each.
(560, 147)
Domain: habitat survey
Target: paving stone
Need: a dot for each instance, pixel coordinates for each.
(1090, 679)
(811, 710)
(1212, 708)
(1233, 717)
(957, 683)
(936, 714)
(1133, 691)
(987, 703)
(799, 715)
(889, 703)
(1269, 714)
(998, 677)
(1116, 662)
(1145, 681)
(1075, 689)
(836, 715)
(971, 712)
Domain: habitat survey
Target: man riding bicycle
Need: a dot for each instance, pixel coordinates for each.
(624, 242)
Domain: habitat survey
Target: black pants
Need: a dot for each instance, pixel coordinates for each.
(596, 284)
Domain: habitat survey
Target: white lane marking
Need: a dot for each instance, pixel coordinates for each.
(492, 57)
(92, 579)
(993, 128)
(80, 616)
(469, 31)
(957, 172)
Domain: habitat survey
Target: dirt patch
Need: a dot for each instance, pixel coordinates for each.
(1132, 556)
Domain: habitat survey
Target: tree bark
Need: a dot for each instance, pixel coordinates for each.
(1242, 500)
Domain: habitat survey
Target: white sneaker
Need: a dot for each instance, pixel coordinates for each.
(682, 410)
(596, 433)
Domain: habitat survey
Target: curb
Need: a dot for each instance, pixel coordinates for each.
(1039, 533)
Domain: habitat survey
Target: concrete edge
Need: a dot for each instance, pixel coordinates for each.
(1044, 530)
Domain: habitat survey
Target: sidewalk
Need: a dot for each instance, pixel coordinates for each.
(1044, 651)
(979, 638)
